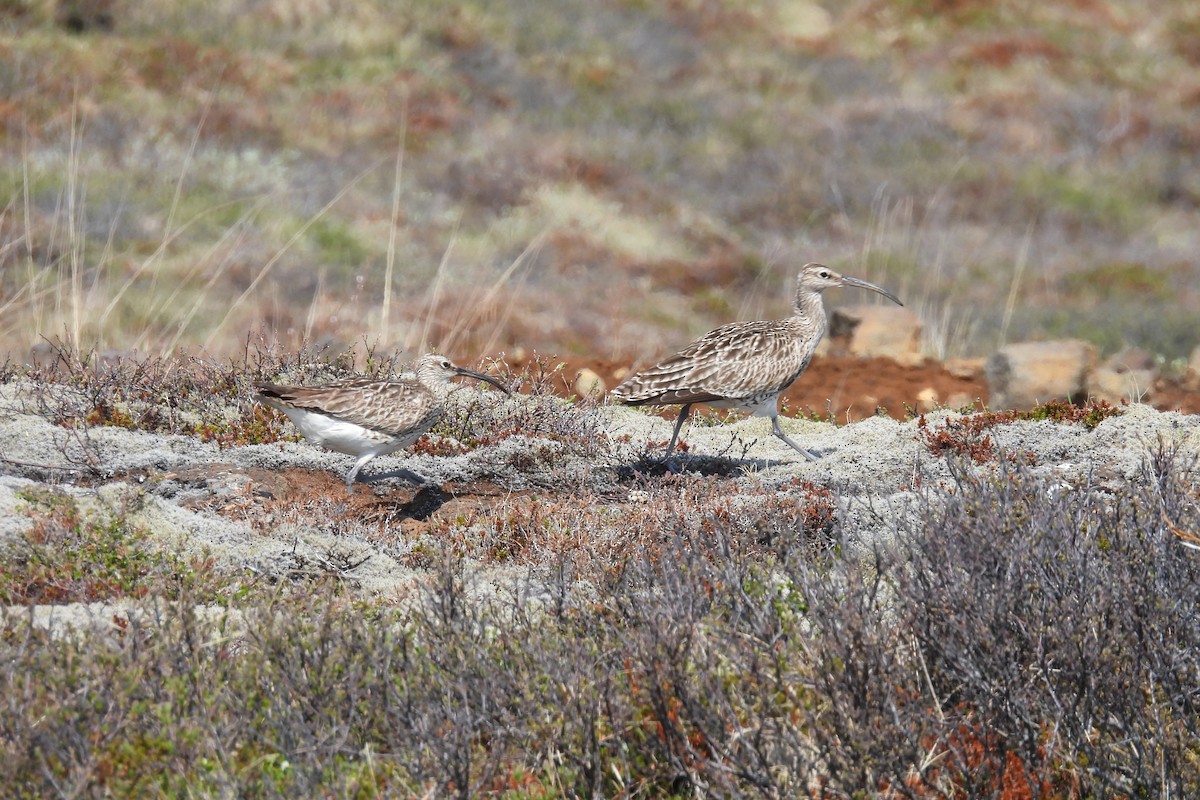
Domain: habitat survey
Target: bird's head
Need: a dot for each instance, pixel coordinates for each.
(435, 368)
(818, 277)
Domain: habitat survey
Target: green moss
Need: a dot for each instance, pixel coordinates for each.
(1090, 415)
(713, 302)
(69, 556)
(1120, 280)
(955, 15)
(1091, 197)
(337, 243)
(259, 425)
(890, 266)
(1169, 330)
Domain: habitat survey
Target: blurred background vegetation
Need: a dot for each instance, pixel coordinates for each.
(592, 177)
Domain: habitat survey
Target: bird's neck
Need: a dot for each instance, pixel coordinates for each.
(439, 389)
(808, 306)
(435, 383)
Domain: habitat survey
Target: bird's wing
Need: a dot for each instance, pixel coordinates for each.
(735, 360)
(385, 406)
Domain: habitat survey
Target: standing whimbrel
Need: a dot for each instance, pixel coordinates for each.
(744, 365)
(365, 417)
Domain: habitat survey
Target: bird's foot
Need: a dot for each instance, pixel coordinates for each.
(778, 431)
(808, 454)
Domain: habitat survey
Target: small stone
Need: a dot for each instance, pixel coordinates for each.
(965, 368)
(42, 354)
(110, 360)
(1193, 371)
(620, 373)
(803, 19)
(589, 384)
(1129, 359)
(910, 360)
(960, 400)
(1117, 386)
(927, 399)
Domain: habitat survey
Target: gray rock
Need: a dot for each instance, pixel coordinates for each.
(869, 331)
(1193, 370)
(1130, 359)
(1120, 386)
(1021, 376)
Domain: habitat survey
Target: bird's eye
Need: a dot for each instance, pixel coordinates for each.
(824, 273)
(445, 363)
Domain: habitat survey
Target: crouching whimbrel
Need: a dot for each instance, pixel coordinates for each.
(365, 417)
(744, 365)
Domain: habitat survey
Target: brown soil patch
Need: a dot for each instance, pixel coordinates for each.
(395, 510)
(853, 388)
(850, 388)
(846, 387)
(1171, 395)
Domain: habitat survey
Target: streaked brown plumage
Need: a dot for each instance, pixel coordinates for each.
(744, 365)
(364, 417)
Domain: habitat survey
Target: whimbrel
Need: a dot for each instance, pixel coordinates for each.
(365, 417)
(744, 365)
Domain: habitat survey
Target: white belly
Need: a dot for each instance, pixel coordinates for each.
(764, 407)
(345, 437)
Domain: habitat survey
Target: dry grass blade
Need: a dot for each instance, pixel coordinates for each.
(169, 231)
(482, 304)
(297, 236)
(1015, 286)
(385, 307)
(227, 241)
(1187, 538)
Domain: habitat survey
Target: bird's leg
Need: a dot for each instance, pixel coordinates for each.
(683, 415)
(353, 473)
(778, 431)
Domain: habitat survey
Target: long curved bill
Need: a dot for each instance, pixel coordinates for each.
(479, 376)
(848, 281)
